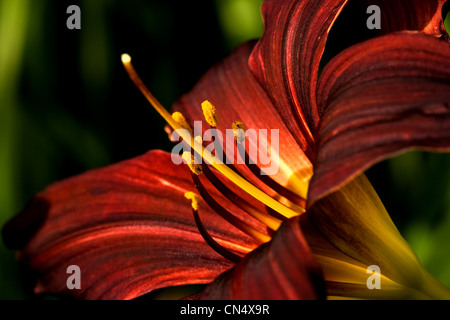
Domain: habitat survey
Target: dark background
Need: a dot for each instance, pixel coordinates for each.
(67, 105)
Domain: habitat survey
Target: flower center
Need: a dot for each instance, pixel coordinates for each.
(273, 212)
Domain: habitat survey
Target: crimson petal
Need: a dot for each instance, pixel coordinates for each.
(286, 60)
(281, 269)
(127, 226)
(379, 98)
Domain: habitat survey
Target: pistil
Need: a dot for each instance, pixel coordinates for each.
(198, 147)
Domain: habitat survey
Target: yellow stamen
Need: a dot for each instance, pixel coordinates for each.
(239, 129)
(190, 160)
(194, 199)
(198, 147)
(210, 113)
(178, 117)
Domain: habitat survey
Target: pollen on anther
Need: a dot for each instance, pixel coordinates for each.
(239, 129)
(181, 120)
(210, 113)
(199, 139)
(190, 160)
(194, 199)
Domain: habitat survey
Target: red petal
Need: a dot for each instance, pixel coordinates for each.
(233, 89)
(129, 229)
(379, 98)
(286, 60)
(278, 270)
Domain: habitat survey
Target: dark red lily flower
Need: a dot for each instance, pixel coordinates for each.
(130, 229)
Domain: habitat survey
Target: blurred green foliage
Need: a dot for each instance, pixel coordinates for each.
(447, 20)
(240, 20)
(13, 16)
(66, 105)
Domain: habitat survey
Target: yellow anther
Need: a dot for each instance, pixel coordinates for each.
(190, 160)
(210, 113)
(194, 199)
(199, 139)
(181, 120)
(239, 129)
(199, 148)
